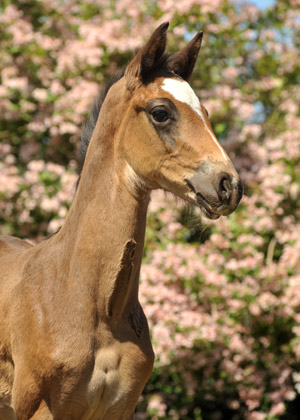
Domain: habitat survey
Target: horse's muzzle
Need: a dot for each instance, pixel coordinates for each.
(217, 188)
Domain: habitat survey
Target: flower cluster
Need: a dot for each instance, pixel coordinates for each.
(42, 193)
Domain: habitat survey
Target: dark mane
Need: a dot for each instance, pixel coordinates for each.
(161, 70)
(90, 124)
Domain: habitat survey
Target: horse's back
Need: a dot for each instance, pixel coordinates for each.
(11, 244)
(12, 259)
(12, 253)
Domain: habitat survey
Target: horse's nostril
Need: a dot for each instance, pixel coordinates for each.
(225, 188)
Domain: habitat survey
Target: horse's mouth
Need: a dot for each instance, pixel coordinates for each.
(206, 208)
(198, 199)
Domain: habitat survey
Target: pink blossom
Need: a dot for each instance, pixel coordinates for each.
(157, 405)
(278, 409)
(40, 94)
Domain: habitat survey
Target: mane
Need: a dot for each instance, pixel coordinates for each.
(90, 124)
(161, 70)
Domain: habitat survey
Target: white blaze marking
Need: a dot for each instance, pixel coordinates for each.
(183, 92)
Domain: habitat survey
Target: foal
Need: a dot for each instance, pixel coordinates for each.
(74, 341)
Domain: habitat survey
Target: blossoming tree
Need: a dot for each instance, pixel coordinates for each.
(222, 300)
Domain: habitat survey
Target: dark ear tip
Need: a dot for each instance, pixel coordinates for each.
(199, 36)
(163, 27)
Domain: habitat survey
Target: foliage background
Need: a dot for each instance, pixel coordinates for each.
(222, 301)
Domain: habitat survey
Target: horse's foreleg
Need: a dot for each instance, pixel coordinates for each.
(7, 413)
(42, 413)
(26, 396)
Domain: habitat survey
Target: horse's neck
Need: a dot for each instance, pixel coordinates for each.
(101, 242)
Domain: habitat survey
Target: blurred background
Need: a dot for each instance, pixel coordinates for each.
(222, 298)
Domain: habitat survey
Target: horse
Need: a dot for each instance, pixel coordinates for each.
(75, 342)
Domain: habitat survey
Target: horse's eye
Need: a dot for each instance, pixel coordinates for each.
(206, 112)
(159, 114)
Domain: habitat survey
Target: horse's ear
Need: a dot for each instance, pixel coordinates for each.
(183, 62)
(147, 57)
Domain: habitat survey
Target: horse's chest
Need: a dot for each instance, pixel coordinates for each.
(104, 387)
(115, 383)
